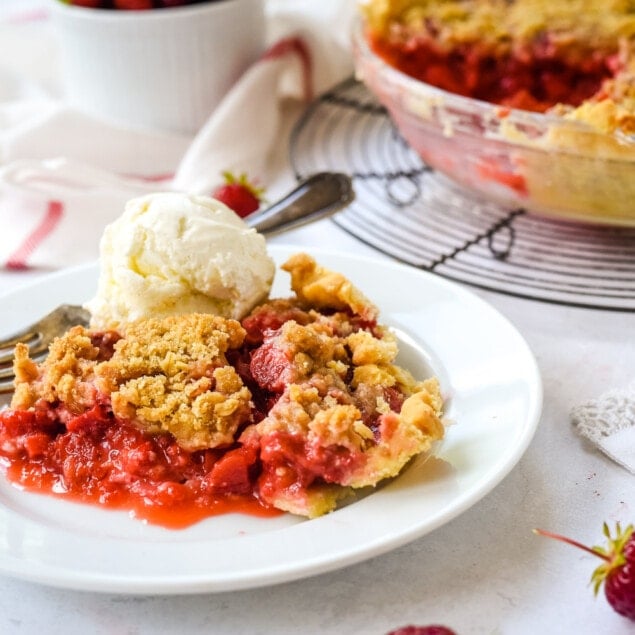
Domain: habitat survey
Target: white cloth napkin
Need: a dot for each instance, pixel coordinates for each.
(609, 423)
(65, 175)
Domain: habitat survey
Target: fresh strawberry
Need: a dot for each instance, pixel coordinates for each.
(432, 629)
(617, 572)
(239, 194)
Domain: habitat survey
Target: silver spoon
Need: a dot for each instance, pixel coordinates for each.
(317, 197)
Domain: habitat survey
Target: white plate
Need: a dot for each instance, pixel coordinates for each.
(494, 397)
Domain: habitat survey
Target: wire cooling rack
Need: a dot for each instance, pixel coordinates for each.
(405, 209)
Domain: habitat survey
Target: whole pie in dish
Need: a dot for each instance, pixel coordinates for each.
(574, 57)
(537, 102)
(182, 417)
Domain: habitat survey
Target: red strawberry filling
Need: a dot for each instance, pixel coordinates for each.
(98, 459)
(533, 82)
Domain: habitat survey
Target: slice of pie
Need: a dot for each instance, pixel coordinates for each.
(294, 408)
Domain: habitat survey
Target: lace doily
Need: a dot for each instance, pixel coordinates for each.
(609, 423)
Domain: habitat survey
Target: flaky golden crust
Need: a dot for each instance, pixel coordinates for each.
(321, 288)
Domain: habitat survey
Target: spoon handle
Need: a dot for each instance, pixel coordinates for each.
(317, 197)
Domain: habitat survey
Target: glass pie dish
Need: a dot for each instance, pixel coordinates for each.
(542, 163)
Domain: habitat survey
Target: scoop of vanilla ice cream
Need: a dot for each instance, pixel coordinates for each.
(174, 253)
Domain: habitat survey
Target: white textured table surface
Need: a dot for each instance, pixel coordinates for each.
(484, 572)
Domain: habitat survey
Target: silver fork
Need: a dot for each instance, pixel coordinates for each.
(318, 196)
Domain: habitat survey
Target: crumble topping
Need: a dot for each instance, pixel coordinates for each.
(166, 374)
(172, 375)
(574, 27)
(66, 375)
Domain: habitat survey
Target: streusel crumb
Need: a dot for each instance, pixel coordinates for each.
(66, 375)
(171, 375)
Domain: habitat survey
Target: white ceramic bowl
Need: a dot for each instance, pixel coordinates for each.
(162, 69)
